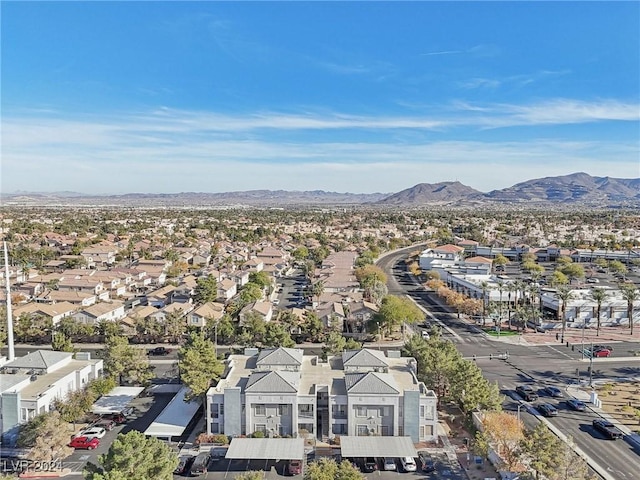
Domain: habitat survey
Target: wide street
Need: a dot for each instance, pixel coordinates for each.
(549, 363)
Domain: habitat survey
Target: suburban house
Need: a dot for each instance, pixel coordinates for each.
(30, 384)
(103, 311)
(227, 289)
(263, 309)
(209, 310)
(284, 392)
(99, 255)
(438, 258)
(54, 311)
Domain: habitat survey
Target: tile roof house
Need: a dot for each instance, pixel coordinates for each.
(54, 311)
(210, 310)
(264, 309)
(104, 311)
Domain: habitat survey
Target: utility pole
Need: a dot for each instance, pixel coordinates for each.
(11, 354)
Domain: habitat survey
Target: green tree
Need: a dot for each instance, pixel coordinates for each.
(254, 328)
(500, 260)
(564, 294)
(61, 343)
(394, 311)
(599, 295)
(45, 437)
(472, 390)
(206, 290)
(250, 293)
(76, 404)
(558, 279)
(261, 279)
(134, 456)
(312, 326)
(573, 271)
(540, 448)
(630, 294)
(329, 469)
(199, 365)
(125, 361)
(300, 254)
(276, 335)
(617, 266)
(250, 475)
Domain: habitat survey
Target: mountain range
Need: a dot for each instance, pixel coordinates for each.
(577, 190)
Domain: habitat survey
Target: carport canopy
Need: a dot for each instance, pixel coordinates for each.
(358, 447)
(266, 449)
(116, 400)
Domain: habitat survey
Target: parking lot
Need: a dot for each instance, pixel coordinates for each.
(446, 469)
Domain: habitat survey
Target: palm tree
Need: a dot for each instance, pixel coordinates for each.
(630, 294)
(500, 284)
(564, 294)
(484, 286)
(510, 289)
(599, 295)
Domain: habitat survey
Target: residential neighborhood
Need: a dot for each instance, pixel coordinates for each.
(313, 328)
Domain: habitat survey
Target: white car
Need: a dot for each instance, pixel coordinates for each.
(389, 464)
(96, 432)
(408, 464)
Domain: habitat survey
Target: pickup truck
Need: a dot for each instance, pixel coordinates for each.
(159, 351)
(608, 429)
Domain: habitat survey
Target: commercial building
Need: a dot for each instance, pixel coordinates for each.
(282, 392)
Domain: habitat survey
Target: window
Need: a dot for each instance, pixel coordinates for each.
(361, 412)
(261, 427)
(339, 411)
(339, 428)
(305, 410)
(222, 409)
(214, 410)
(283, 409)
(385, 431)
(400, 430)
(421, 411)
(400, 411)
(215, 427)
(362, 431)
(429, 412)
(261, 411)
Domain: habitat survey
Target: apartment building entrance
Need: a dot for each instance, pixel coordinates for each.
(322, 412)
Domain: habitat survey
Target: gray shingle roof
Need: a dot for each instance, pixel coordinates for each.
(372, 382)
(40, 359)
(364, 358)
(280, 356)
(273, 382)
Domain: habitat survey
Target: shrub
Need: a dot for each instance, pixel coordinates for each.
(258, 434)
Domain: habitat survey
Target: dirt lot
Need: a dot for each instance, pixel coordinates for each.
(622, 402)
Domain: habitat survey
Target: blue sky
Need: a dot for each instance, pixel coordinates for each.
(163, 97)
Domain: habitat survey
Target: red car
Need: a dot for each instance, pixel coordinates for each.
(88, 443)
(295, 467)
(602, 353)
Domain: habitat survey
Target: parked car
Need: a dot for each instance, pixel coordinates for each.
(106, 423)
(97, 432)
(160, 351)
(576, 404)
(601, 353)
(553, 391)
(602, 347)
(408, 464)
(184, 464)
(369, 465)
(526, 392)
(88, 443)
(425, 335)
(200, 464)
(607, 428)
(389, 464)
(294, 467)
(428, 464)
(547, 410)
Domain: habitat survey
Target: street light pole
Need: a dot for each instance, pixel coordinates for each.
(519, 407)
(584, 327)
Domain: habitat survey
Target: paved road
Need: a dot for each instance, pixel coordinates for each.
(537, 365)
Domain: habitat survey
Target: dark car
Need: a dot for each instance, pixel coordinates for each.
(200, 464)
(526, 392)
(607, 428)
(159, 351)
(576, 404)
(553, 391)
(428, 464)
(547, 410)
(369, 465)
(106, 423)
(184, 464)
